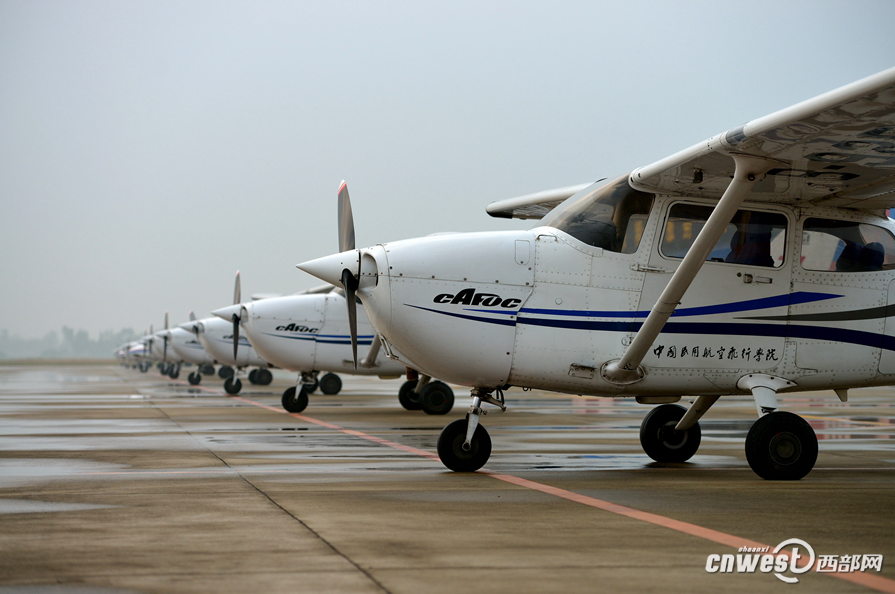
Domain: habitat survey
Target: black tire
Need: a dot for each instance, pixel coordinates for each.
(294, 400)
(207, 370)
(407, 397)
(174, 372)
(144, 368)
(231, 387)
(781, 446)
(225, 371)
(194, 378)
(312, 387)
(253, 377)
(659, 439)
(437, 398)
(451, 452)
(264, 377)
(330, 384)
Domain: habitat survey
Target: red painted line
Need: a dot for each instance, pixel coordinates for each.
(867, 580)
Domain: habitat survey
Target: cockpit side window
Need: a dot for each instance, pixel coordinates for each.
(752, 238)
(846, 246)
(611, 217)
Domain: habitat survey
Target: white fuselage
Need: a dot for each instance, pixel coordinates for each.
(542, 309)
(216, 337)
(188, 347)
(310, 332)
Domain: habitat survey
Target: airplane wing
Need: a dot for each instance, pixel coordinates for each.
(532, 206)
(836, 150)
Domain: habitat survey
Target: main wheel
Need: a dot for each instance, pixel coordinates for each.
(294, 400)
(407, 397)
(264, 377)
(662, 442)
(194, 378)
(311, 387)
(330, 384)
(781, 446)
(225, 371)
(207, 370)
(253, 376)
(144, 368)
(437, 398)
(232, 387)
(451, 452)
(174, 372)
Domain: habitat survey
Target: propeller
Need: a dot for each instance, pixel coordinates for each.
(165, 340)
(149, 339)
(237, 297)
(349, 281)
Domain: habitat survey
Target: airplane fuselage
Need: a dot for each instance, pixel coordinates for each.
(544, 309)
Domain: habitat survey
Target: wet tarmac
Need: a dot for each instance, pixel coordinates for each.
(116, 481)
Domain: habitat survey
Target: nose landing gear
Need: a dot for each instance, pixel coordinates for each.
(464, 445)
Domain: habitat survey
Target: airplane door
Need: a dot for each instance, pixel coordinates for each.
(722, 320)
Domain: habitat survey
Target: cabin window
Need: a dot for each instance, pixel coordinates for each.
(752, 238)
(611, 217)
(846, 246)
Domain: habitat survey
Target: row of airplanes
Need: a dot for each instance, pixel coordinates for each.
(760, 261)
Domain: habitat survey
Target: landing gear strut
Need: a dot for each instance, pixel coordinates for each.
(464, 445)
(194, 378)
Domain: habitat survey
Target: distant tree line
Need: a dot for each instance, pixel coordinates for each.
(71, 345)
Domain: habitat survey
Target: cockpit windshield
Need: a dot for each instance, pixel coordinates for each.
(611, 216)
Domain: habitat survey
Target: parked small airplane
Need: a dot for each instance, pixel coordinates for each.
(309, 332)
(190, 350)
(755, 262)
(220, 340)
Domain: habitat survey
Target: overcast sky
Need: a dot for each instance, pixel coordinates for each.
(148, 150)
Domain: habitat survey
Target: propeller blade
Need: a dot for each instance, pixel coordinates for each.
(350, 285)
(235, 334)
(346, 220)
(165, 349)
(237, 291)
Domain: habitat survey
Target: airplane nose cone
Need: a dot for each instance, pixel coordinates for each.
(329, 268)
(226, 313)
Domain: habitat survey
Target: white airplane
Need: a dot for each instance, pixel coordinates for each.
(310, 331)
(221, 340)
(755, 262)
(158, 349)
(190, 350)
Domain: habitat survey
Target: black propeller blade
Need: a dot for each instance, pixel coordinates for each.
(237, 297)
(235, 334)
(349, 281)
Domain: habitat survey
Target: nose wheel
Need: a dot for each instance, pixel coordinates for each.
(295, 400)
(456, 454)
(781, 446)
(232, 386)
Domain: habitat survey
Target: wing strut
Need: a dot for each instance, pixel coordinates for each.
(627, 370)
